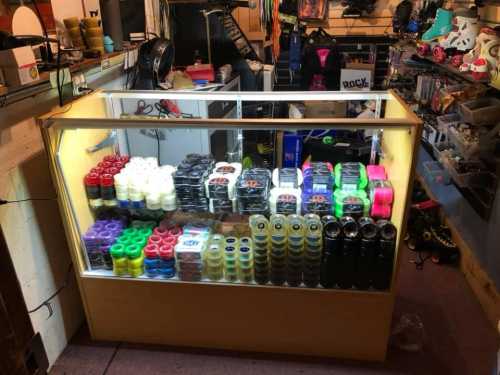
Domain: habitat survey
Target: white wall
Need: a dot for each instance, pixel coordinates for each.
(91, 5)
(66, 8)
(37, 245)
(33, 230)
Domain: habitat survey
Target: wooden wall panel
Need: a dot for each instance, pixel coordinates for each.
(249, 22)
(379, 22)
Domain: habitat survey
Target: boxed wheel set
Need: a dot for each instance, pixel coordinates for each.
(199, 184)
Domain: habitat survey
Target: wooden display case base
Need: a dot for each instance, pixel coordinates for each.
(319, 322)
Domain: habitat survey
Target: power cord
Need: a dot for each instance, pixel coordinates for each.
(157, 135)
(46, 303)
(61, 112)
(4, 202)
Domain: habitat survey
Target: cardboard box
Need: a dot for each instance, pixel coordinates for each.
(354, 79)
(362, 66)
(326, 109)
(19, 66)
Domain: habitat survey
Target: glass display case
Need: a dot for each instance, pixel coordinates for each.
(189, 224)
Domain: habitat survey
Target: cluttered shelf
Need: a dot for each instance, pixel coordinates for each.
(467, 76)
(43, 83)
(461, 130)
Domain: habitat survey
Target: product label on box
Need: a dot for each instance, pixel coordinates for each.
(226, 169)
(218, 187)
(28, 73)
(352, 206)
(286, 204)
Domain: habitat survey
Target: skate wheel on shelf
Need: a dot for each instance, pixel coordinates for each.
(438, 54)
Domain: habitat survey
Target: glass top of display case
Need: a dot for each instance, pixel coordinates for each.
(136, 107)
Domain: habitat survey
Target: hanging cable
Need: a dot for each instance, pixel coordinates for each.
(58, 71)
(47, 302)
(4, 202)
(44, 28)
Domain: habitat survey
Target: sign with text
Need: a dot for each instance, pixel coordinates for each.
(353, 79)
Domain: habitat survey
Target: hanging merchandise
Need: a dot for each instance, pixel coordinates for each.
(402, 16)
(465, 30)
(486, 35)
(443, 25)
(427, 13)
(357, 8)
(276, 30)
(295, 51)
(490, 51)
(321, 63)
(313, 10)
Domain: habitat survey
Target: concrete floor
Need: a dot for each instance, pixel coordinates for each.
(459, 340)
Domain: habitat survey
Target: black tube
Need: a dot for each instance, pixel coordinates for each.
(365, 264)
(387, 230)
(349, 227)
(331, 263)
(384, 265)
(367, 228)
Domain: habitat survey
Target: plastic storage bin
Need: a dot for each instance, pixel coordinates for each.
(482, 111)
(440, 147)
(464, 148)
(434, 173)
(444, 122)
(469, 170)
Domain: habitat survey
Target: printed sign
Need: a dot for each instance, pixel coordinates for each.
(352, 79)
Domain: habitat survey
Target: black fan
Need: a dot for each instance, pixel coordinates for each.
(155, 60)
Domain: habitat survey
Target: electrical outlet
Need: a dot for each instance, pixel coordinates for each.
(130, 58)
(79, 83)
(64, 77)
